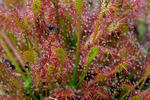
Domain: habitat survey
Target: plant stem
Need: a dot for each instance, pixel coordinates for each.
(77, 52)
(83, 76)
(4, 37)
(143, 83)
(122, 98)
(12, 58)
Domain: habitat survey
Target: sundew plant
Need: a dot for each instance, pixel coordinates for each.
(72, 50)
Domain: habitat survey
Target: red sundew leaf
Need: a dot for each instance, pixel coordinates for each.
(64, 94)
(92, 91)
(126, 87)
(49, 12)
(6, 97)
(19, 21)
(103, 95)
(8, 22)
(147, 97)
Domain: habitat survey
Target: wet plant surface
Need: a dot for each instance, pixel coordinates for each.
(73, 50)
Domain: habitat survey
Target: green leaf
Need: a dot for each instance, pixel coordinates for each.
(113, 26)
(120, 67)
(148, 4)
(126, 87)
(51, 70)
(65, 1)
(123, 53)
(15, 82)
(141, 31)
(102, 94)
(92, 53)
(105, 6)
(135, 98)
(10, 55)
(61, 54)
(100, 77)
(36, 6)
(28, 84)
(13, 38)
(125, 29)
(78, 6)
(147, 72)
(30, 56)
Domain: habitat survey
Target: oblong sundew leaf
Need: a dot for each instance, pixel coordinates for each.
(30, 56)
(50, 68)
(65, 1)
(147, 72)
(78, 4)
(12, 38)
(135, 97)
(123, 53)
(126, 87)
(105, 6)
(10, 55)
(102, 94)
(120, 67)
(100, 77)
(15, 82)
(36, 6)
(61, 54)
(92, 53)
(113, 26)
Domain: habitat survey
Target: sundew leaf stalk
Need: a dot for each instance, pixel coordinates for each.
(78, 6)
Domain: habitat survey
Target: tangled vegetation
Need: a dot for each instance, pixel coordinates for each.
(72, 50)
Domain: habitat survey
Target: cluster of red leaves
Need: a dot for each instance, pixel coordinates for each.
(116, 48)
